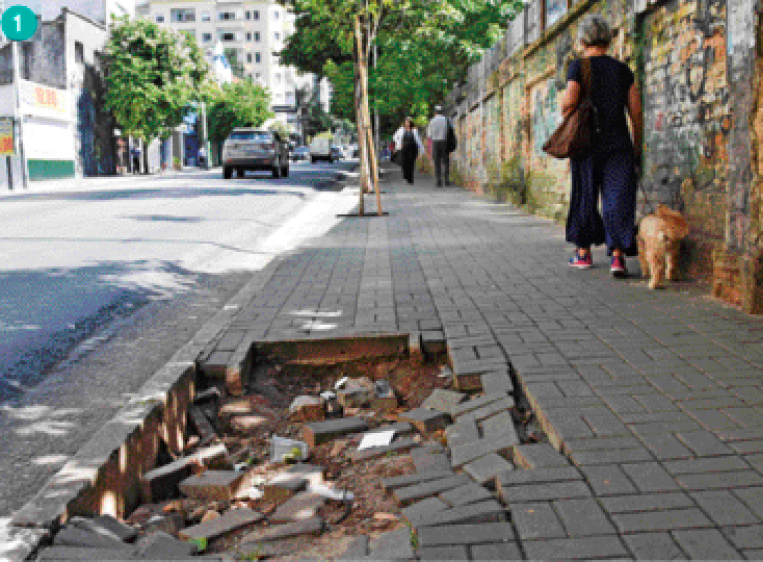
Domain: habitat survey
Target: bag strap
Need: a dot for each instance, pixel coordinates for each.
(587, 78)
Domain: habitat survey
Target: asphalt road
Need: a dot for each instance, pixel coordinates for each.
(100, 285)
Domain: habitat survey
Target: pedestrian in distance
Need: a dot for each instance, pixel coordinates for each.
(136, 160)
(610, 168)
(408, 145)
(437, 131)
(202, 157)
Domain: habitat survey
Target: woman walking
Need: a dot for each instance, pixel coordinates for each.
(609, 169)
(408, 143)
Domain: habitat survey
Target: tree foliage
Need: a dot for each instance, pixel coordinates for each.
(239, 104)
(152, 73)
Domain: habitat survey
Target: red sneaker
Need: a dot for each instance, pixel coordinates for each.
(618, 269)
(581, 262)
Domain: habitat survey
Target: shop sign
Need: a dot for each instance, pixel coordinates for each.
(7, 146)
(43, 100)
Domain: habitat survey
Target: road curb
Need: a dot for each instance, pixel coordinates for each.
(94, 481)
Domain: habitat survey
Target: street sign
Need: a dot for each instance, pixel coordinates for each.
(7, 146)
(19, 23)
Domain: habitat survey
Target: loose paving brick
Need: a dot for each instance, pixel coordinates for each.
(537, 521)
(538, 476)
(317, 433)
(485, 470)
(84, 553)
(357, 549)
(497, 382)
(477, 403)
(583, 518)
(482, 533)
(299, 508)
(575, 548)
(654, 546)
(212, 485)
(426, 460)
(489, 410)
(443, 400)
(706, 544)
(228, 522)
(413, 479)
(462, 432)
(311, 526)
(499, 424)
(463, 495)
(283, 487)
(426, 421)
(498, 551)
(106, 525)
(538, 455)
(161, 546)
(399, 446)
(74, 536)
(410, 494)
(422, 509)
(483, 512)
(464, 454)
(162, 483)
(526, 493)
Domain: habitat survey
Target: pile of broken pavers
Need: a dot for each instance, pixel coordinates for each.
(452, 508)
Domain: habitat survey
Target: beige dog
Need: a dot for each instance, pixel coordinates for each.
(659, 244)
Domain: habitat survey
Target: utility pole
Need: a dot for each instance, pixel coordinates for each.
(205, 135)
(18, 116)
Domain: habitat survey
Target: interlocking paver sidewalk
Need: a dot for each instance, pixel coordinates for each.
(656, 397)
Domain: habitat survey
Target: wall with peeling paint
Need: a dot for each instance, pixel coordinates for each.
(697, 65)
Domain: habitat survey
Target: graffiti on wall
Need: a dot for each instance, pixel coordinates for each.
(545, 115)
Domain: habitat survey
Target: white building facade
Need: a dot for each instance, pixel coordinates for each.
(251, 34)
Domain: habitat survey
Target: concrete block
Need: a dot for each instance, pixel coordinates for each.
(307, 409)
(504, 405)
(500, 424)
(413, 479)
(538, 455)
(466, 534)
(485, 469)
(443, 400)
(309, 526)
(482, 512)
(395, 545)
(497, 382)
(461, 433)
(74, 536)
(161, 546)
(105, 525)
(399, 446)
(477, 403)
(212, 485)
(423, 509)
(464, 454)
(426, 421)
(322, 432)
(464, 495)
(83, 553)
(162, 483)
(410, 494)
(228, 522)
(283, 487)
(299, 508)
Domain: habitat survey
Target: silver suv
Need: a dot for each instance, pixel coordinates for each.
(255, 149)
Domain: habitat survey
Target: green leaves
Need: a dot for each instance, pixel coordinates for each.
(241, 104)
(152, 73)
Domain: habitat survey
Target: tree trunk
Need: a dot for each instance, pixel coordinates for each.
(366, 114)
(359, 117)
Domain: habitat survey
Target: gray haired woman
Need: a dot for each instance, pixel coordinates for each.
(609, 169)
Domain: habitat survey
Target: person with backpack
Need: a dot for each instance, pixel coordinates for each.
(408, 145)
(443, 137)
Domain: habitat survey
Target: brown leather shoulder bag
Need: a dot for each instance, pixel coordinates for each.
(574, 136)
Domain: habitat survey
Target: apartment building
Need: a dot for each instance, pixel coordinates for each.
(251, 34)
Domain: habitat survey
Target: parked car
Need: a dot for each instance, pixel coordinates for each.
(300, 153)
(336, 153)
(320, 149)
(255, 149)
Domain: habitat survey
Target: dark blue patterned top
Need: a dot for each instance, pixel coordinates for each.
(611, 82)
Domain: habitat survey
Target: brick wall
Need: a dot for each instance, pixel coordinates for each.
(699, 74)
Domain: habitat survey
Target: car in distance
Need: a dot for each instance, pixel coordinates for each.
(255, 149)
(336, 153)
(300, 153)
(320, 149)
